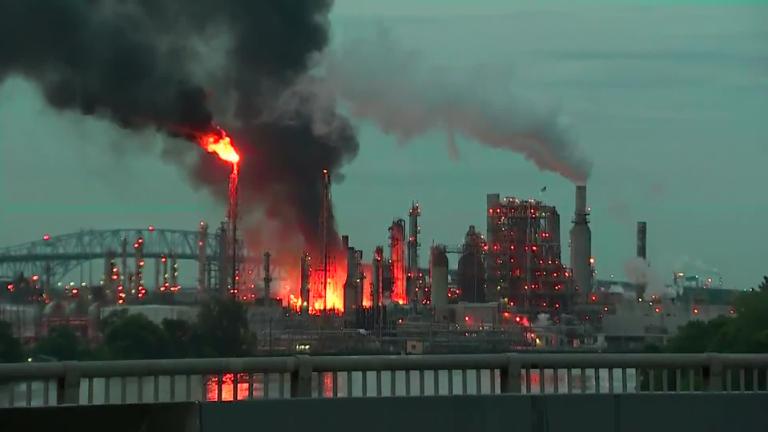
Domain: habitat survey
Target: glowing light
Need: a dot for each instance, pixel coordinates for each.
(219, 143)
(46, 237)
(328, 298)
(294, 303)
(228, 392)
(151, 228)
(367, 285)
(398, 263)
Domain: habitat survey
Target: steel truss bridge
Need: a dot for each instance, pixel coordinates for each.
(57, 256)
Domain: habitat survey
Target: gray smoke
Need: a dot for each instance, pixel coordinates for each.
(394, 88)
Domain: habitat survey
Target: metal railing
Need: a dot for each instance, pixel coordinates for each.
(110, 382)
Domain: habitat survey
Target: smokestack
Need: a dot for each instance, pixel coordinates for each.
(581, 201)
(306, 270)
(413, 253)
(377, 273)
(642, 233)
(378, 279)
(581, 243)
(267, 277)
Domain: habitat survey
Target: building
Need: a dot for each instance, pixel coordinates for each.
(524, 267)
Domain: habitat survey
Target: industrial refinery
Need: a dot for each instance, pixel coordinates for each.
(505, 288)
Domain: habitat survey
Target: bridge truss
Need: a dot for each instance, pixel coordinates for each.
(57, 256)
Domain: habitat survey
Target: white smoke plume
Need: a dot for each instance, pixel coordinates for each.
(639, 272)
(379, 81)
(542, 320)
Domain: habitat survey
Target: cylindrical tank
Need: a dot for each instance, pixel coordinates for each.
(438, 271)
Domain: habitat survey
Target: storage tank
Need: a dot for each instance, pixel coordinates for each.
(438, 271)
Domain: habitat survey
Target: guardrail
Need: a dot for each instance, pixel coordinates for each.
(108, 382)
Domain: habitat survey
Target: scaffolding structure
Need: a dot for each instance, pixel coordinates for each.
(524, 267)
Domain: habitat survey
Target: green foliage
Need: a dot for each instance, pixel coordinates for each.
(747, 332)
(181, 338)
(222, 328)
(62, 343)
(134, 336)
(10, 347)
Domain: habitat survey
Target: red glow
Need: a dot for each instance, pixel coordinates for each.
(695, 311)
(227, 387)
(151, 228)
(398, 263)
(294, 303)
(220, 143)
(367, 284)
(329, 298)
(46, 237)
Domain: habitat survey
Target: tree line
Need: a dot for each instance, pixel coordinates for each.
(221, 330)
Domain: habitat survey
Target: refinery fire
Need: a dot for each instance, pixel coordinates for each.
(264, 135)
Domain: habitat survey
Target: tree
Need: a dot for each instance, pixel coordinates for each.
(61, 343)
(222, 328)
(763, 285)
(10, 347)
(746, 332)
(134, 336)
(181, 337)
(698, 336)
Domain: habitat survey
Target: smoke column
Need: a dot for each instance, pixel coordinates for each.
(396, 90)
(146, 64)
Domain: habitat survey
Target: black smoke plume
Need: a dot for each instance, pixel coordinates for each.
(144, 64)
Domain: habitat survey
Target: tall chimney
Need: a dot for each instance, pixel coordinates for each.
(581, 243)
(267, 277)
(412, 271)
(642, 233)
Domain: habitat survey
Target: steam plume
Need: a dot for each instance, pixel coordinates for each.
(395, 89)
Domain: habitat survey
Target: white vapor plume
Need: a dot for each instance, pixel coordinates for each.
(379, 81)
(639, 272)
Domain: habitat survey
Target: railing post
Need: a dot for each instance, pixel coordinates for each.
(510, 375)
(715, 365)
(68, 385)
(301, 377)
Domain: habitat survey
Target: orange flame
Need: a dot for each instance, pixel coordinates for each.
(220, 143)
(328, 298)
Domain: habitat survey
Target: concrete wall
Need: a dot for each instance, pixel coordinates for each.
(741, 412)
(555, 413)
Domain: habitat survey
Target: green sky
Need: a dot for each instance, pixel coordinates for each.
(669, 99)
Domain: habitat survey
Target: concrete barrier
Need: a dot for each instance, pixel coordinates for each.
(547, 413)
(164, 417)
(524, 413)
